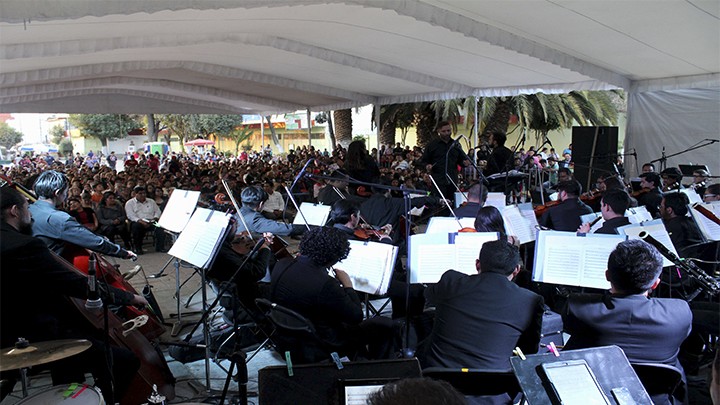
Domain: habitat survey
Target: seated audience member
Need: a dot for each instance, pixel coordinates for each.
(273, 207)
(476, 196)
(56, 228)
(84, 215)
(111, 216)
(480, 319)
(253, 198)
(143, 214)
(566, 215)
(330, 303)
(682, 229)
(417, 391)
(613, 205)
(648, 330)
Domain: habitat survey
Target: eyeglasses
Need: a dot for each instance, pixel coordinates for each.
(710, 195)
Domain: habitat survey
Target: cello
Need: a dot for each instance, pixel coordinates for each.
(153, 367)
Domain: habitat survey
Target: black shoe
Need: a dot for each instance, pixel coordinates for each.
(139, 252)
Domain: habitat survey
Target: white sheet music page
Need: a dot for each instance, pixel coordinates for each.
(430, 256)
(369, 265)
(693, 196)
(497, 200)
(200, 240)
(709, 229)
(517, 225)
(467, 249)
(447, 225)
(637, 215)
(656, 229)
(315, 214)
(568, 258)
(178, 210)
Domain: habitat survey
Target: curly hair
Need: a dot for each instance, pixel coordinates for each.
(324, 246)
(417, 391)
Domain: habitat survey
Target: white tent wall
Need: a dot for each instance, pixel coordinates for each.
(675, 120)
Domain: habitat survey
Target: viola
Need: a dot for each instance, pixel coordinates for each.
(153, 367)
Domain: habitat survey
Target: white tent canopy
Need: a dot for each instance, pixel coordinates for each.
(268, 56)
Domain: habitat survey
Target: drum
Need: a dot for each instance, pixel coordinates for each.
(69, 394)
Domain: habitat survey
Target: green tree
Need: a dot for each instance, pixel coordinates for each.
(65, 147)
(9, 136)
(154, 127)
(57, 133)
(180, 125)
(218, 124)
(104, 127)
(238, 136)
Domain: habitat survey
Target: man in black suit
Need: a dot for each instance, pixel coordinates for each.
(33, 304)
(613, 205)
(476, 197)
(501, 158)
(682, 229)
(481, 318)
(566, 215)
(649, 330)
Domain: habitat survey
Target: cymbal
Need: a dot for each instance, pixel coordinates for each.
(40, 353)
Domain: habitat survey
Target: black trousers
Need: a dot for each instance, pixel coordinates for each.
(138, 233)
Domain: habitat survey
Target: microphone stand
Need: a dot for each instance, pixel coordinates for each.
(663, 158)
(92, 263)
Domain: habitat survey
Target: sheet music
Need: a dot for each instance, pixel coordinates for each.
(459, 198)
(656, 229)
(709, 229)
(431, 255)
(359, 395)
(467, 249)
(314, 214)
(637, 215)
(518, 225)
(370, 266)
(569, 259)
(693, 196)
(496, 200)
(526, 210)
(588, 218)
(447, 225)
(178, 210)
(199, 241)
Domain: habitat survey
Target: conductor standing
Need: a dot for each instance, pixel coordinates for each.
(442, 158)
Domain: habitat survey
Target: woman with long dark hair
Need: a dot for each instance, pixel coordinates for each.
(489, 219)
(360, 166)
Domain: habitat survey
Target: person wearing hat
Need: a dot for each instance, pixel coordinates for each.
(671, 178)
(651, 195)
(143, 213)
(252, 198)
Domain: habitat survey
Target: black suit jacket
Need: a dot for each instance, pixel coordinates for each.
(302, 286)
(33, 290)
(480, 319)
(610, 226)
(649, 330)
(565, 216)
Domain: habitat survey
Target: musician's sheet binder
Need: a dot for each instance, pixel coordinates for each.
(199, 241)
(370, 266)
(431, 255)
(656, 229)
(573, 259)
(178, 210)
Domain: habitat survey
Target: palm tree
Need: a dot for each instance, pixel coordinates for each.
(343, 126)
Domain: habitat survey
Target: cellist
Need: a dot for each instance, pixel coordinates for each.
(33, 278)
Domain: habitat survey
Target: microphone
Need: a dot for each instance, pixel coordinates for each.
(548, 142)
(93, 301)
(299, 175)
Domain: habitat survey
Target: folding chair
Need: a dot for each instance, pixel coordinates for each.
(662, 382)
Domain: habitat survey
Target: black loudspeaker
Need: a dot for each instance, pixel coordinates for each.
(321, 383)
(594, 153)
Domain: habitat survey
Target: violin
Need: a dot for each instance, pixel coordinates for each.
(670, 187)
(367, 233)
(541, 209)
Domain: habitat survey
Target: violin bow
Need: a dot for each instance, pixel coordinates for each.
(237, 208)
(445, 201)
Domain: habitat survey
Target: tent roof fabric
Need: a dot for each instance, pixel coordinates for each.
(269, 56)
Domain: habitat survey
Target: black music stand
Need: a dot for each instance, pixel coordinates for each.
(609, 364)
